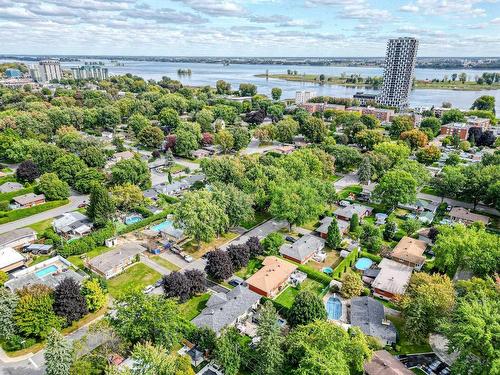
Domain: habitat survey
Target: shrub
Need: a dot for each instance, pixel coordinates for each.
(87, 243)
(315, 275)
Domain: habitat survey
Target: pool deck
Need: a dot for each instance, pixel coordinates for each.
(343, 318)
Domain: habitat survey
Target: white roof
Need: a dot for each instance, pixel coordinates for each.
(393, 277)
(9, 256)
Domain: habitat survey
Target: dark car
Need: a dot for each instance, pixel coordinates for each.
(159, 283)
(290, 239)
(234, 282)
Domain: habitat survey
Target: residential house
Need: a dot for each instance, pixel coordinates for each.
(392, 280)
(272, 277)
(464, 216)
(409, 251)
(322, 230)
(10, 259)
(227, 309)
(424, 234)
(17, 238)
(384, 363)
(72, 224)
(115, 261)
(200, 153)
(368, 314)
(10, 187)
(123, 155)
(456, 128)
(28, 200)
(345, 213)
(303, 249)
(172, 233)
(285, 149)
(421, 205)
(478, 122)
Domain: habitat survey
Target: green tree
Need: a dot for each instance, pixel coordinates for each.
(417, 170)
(478, 181)
(137, 122)
(390, 230)
(414, 138)
(86, 178)
(228, 351)
(314, 129)
(134, 171)
(236, 203)
(428, 300)
(95, 297)
(410, 226)
(346, 158)
(453, 115)
(241, 137)
(53, 188)
(101, 207)
(352, 286)
(365, 171)
(155, 360)
(126, 197)
(269, 350)
(333, 238)
(272, 243)
(67, 166)
(205, 118)
(276, 93)
(225, 139)
(247, 89)
(354, 223)
(449, 182)
(223, 87)
(370, 237)
(58, 354)
(151, 136)
(368, 138)
(286, 129)
(8, 304)
(399, 125)
(370, 121)
(306, 308)
(93, 156)
(484, 103)
(431, 123)
(428, 155)
(169, 117)
(396, 187)
(396, 152)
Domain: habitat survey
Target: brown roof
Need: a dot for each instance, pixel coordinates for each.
(274, 273)
(383, 363)
(461, 213)
(409, 250)
(28, 198)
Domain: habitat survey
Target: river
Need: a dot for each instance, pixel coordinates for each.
(208, 74)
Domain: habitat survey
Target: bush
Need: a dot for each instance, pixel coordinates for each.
(14, 215)
(88, 243)
(315, 275)
(346, 264)
(376, 258)
(143, 211)
(272, 243)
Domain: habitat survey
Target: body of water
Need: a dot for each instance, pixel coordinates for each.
(207, 74)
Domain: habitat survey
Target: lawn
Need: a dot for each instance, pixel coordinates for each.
(165, 263)
(332, 258)
(252, 267)
(429, 190)
(136, 277)
(77, 260)
(39, 259)
(13, 215)
(404, 345)
(41, 226)
(191, 246)
(191, 308)
(344, 193)
(311, 224)
(176, 168)
(258, 218)
(287, 296)
(12, 194)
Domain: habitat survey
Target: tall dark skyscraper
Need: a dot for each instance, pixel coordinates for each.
(400, 62)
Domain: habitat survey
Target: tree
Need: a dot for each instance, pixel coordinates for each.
(254, 246)
(276, 93)
(365, 171)
(333, 238)
(236, 204)
(346, 158)
(269, 351)
(449, 182)
(352, 286)
(239, 255)
(417, 170)
(95, 296)
(370, 121)
(205, 118)
(485, 103)
(314, 129)
(286, 129)
(134, 171)
(272, 243)
(431, 123)
(151, 136)
(223, 87)
(137, 122)
(354, 223)
(126, 197)
(86, 178)
(186, 142)
(196, 280)
(241, 138)
(34, 316)
(27, 171)
(275, 112)
(415, 138)
(396, 152)
(453, 115)
(228, 351)
(399, 125)
(428, 300)
(306, 308)
(58, 354)
(453, 159)
(478, 181)
(155, 360)
(368, 138)
(370, 237)
(224, 138)
(93, 156)
(396, 187)
(144, 317)
(169, 118)
(69, 302)
(255, 117)
(175, 285)
(52, 187)
(219, 266)
(390, 230)
(204, 338)
(8, 304)
(67, 166)
(428, 155)
(101, 207)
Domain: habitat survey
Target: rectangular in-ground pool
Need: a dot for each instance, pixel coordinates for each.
(162, 225)
(46, 271)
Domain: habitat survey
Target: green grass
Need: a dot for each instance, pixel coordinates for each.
(344, 193)
(5, 179)
(12, 194)
(136, 277)
(252, 267)
(311, 224)
(165, 263)
(77, 260)
(176, 168)
(404, 345)
(41, 226)
(258, 218)
(429, 190)
(286, 297)
(8, 216)
(39, 259)
(192, 308)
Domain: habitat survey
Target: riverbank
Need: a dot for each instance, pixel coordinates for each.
(344, 81)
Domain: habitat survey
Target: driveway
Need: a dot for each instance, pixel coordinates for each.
(453, 202)
(347, 180)
(260, 232)
(254, 148)
(74, 202)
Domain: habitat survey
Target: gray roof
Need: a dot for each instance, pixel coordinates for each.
(368, 314)
(325, 223)
(9, 187)
(173, 232)
(71, 221)
(352, 209)
(393, 277)
(113, 258)
(28, 198)
(14, 235)
(303, 248)
(223, 309)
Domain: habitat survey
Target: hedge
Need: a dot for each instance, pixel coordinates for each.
(347, 263)
(12, 194)
(145, 222)
(376, 258)
(8, 216)
(315, 275)
(87, 243)
(7, 179)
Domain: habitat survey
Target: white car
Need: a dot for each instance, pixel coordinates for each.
(188, 258)
(148, 289)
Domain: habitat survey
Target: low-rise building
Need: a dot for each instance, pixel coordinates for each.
(28, 200)
(17, 238)
(227, 309)
(368, 314)
(478, 122)
(409, 251)
(200, 153)
(346, 213)
(363, 98)
(303, 249)
(380, 113)
(322, 230)
(10, 187)
(72, 224)
(10, 259)
(464, 216)
(115, 261)
(459, 129)
(392, 280)
(272, 277)
(384, 363)
(285, 149)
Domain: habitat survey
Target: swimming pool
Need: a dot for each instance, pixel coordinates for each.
(46, 271)
(327, 270)
(132, 219)
(334, 308)
(163, 225)
(363, 264)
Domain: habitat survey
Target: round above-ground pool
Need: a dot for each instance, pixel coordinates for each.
(363, 264)
(327, 270)
(334, 308)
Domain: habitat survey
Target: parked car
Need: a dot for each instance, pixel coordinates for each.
(159, 283)
(148, 289)
(82, 205)
(234, 282)
(290, 239)
(188, 258)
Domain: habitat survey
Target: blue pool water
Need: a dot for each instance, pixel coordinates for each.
(363, 264)
(334, 308)
(327, 270)
(132, 219)
(46, 271)
(162, 225)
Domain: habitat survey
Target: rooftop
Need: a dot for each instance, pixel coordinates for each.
(9, 256)
(368, 314)
(409, 250)
(384, 363)
(275, 272)
(461, 213)
(303, 248)
(114, 257)
(9, 187)
(352, 209)
(14, 235)
(393, 277)
(28, 198)
(326, 221)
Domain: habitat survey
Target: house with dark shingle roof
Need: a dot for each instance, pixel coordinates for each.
(303, 249)
(368, 314)
(226, 309)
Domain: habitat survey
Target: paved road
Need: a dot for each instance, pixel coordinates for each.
(254, 148)
(453, 202)
(74, 202)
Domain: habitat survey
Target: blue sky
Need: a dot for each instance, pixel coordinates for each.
(248, 27)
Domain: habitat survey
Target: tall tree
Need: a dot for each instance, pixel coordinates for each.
(449, 182)
(276, 93)
(365, 171)
(94, 294)
(352, 285)
(399, 125)
(314, 129)
(333, 238)
(155, 360)
(306, 308)
(8, 304)
(228, 351)
(485, 103)
(27, 171)
(133, 171)
(101, 207)
(58, 354)
(52, 187)
(219, 265)
(69, 302)
(396, 187)
(269, 353)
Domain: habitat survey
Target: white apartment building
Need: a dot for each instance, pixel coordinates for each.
(302, 97)
(49, 70)
(90, 71)
(400, 62)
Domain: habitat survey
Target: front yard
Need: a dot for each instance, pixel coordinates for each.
(287, 296)
(165, 263)
(404, 345)
(136, 277)
(191, 246)
(253, 266)
(192, 308)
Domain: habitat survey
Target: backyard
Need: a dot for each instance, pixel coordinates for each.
(77, 260)
(253, 266)
(192, 308)
(136, 277)
(404, 345)
(287, 296)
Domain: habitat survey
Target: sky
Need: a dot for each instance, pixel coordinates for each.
(327, 28)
